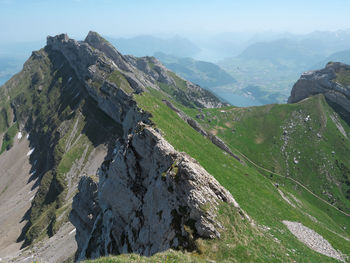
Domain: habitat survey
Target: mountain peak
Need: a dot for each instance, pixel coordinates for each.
(93, 34)
(337, 66)
(58, 38)
(94, 38)
(96, 41)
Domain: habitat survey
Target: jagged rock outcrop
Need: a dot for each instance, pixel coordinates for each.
(149, 197)
(151, 66)
(97, 42)
(93, 68)
(324, 82)
(152, 198)
(95, 60)
(85, 210)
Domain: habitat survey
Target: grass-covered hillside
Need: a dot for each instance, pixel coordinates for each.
(343, 77)
(306, 141)
(267, 239)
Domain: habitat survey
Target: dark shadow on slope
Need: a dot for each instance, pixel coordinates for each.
(345, 115)
(99, 127)
(50, 114)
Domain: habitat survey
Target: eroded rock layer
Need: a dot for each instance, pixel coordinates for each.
(329, 82)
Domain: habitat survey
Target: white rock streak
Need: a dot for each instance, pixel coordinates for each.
(313, 240)
(30, 152)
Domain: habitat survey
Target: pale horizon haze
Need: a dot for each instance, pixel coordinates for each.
(33, 20)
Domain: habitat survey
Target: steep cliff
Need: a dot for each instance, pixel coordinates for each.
(332, 81)
(150, 197)
(147, 192)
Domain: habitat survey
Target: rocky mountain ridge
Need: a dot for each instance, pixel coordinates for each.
(95, 59)
(152, 184)
(330, 81)
(146, 180)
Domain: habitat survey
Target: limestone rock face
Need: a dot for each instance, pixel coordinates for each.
(148, 197)
(323, 82)
(151, 198)
(94, 58)
(97, 42)
(85, 212)
(151, 66)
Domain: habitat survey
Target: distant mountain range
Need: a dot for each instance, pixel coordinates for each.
(146, 45)
(286, 52)
(272, 67)
(205, 74)
(341, 56)
(253, 69)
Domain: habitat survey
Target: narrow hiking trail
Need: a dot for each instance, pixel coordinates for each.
(293, 180)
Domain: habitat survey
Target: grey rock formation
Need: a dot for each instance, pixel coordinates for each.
(92, 65)
(97, 42)
(323, 82)
(313, 240)
(94, 59)
(151, 66)
(151, 198)
(85, 212)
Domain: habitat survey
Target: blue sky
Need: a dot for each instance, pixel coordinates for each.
(30, 20)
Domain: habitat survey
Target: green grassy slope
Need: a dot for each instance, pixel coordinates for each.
(306, 141)
(255, 193)
(7, 141)
(343, 77)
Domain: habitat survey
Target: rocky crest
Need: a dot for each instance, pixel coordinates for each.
(151, 198)
(95, 60)
(148, 197)
(324, 82)
(151, 66)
